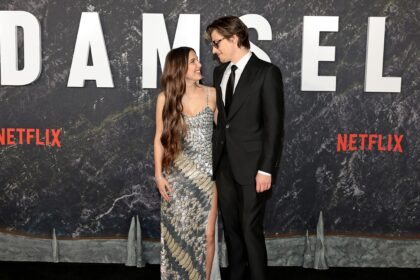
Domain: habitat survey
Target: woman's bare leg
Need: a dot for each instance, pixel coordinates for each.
(210, 235)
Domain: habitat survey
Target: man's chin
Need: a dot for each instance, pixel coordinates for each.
(222, 60)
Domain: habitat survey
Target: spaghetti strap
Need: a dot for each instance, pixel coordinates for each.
(207, 91)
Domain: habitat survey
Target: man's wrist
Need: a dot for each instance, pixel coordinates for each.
(264, 173)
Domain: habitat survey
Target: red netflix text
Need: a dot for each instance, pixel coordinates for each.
(362, 142)
(27, 136)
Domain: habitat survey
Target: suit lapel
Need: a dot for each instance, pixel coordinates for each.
(241, 90)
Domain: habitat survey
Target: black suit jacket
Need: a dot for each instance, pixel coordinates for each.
(252, 132)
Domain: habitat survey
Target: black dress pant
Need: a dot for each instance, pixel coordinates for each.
(242, 210)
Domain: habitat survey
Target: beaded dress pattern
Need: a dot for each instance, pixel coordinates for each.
(184, 218)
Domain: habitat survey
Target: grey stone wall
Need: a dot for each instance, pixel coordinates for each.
(102, 175)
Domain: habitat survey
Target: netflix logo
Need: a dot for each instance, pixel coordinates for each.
(26, 136)
(361, 142)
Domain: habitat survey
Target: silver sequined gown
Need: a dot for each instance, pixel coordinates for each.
(185, 217)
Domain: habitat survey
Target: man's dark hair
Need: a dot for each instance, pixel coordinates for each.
(227, 27)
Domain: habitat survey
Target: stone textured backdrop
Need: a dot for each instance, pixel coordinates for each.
(102, 175)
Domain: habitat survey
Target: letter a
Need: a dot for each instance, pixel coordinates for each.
(90, 37)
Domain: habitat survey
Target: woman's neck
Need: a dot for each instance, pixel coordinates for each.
(190, 87)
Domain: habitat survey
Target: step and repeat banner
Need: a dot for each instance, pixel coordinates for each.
(78, 86)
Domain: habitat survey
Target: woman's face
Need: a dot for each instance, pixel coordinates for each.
(194, 68)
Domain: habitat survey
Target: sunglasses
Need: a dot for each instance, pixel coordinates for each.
(216, 43)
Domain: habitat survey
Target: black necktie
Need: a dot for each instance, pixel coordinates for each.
(229, 88)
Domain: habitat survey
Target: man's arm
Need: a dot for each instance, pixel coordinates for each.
(273, 113)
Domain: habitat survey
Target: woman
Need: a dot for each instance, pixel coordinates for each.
(185, 113)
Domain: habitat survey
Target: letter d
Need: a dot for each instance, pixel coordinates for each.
(9, 21)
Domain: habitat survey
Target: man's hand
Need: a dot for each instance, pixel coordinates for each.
(263, 182)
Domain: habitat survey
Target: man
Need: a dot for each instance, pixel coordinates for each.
(246, 143)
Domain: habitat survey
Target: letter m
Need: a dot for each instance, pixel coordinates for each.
(156, 42)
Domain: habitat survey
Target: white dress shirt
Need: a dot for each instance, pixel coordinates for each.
(241, 66)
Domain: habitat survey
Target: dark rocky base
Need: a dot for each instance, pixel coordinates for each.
(74, 271)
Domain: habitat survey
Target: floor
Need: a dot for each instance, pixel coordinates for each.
(73, 271)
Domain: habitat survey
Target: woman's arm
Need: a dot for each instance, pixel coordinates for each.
(213, 103)
(161, 182)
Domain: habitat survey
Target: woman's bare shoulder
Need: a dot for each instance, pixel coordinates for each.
(161, 97)
(211, 91)
(211, 97)
(160, 102)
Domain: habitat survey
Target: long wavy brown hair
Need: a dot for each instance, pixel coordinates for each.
(173, 86)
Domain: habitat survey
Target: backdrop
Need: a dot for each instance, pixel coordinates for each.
(350, 148)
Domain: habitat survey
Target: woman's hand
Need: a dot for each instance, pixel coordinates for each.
(163, 187)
